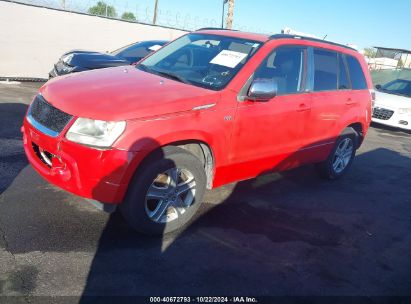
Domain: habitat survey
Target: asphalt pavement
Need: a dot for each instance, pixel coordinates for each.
(281, 234)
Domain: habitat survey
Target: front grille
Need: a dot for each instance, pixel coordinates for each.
(382, 114)
(48, 116)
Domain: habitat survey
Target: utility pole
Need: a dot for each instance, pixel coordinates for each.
(155, 12)
(222, 16)
(230, 14)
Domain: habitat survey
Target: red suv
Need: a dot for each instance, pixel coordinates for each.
(210, 108)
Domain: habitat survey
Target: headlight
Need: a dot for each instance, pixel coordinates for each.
(97, 133)
(66, 59)
(64, 65)
(405, 111)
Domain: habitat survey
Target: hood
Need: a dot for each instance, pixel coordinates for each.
(391, 101)
(94, 60)
(123, 93)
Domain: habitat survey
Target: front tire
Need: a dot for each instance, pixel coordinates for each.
(165, 193)
(341, 157)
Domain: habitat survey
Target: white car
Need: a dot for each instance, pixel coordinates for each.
(392, 106)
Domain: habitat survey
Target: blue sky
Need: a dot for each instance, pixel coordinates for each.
(361, 22)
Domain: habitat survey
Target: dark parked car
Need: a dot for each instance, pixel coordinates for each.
(79, 60)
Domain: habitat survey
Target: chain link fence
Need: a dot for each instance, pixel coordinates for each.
(141, 11)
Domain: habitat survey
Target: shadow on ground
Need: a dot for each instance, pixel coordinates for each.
(12, 157)
(280, 234)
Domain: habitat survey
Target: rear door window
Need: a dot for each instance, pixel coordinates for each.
(325, 70)
(357, 77)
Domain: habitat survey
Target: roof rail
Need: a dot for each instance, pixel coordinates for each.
(213, 29)
(287, 36)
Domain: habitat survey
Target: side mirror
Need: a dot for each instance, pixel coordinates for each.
(263, 89)
(378, 87)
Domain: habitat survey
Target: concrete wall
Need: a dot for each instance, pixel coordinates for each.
(32, 38)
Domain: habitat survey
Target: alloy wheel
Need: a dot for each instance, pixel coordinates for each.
(170, 195)
(343, 155)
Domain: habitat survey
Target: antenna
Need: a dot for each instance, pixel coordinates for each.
(325, 36)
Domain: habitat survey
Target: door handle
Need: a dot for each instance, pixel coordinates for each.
(350, 102)
(303, 107)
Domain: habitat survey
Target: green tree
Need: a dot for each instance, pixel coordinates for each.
(103, 9)
(128, 16)
(370, 52)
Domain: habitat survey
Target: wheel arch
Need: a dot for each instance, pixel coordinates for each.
(203, 152)
(198, 147)
(359, 130)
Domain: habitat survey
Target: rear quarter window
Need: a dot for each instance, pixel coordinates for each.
(358, 81)
(343, 80)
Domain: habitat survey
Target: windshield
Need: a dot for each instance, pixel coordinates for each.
(137, 51)
(398, 87)
(208, 61)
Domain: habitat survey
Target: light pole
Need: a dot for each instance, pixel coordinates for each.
(155, 12)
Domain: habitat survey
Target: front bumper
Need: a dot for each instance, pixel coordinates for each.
(401, 121)
(53, 73)
(101, 175)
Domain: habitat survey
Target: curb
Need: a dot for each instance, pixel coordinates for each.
(23, 79)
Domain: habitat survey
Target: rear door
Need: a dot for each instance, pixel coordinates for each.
(331, 93)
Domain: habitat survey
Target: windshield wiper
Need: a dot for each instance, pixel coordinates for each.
(143, 67)
(164, 73)
(170, 75)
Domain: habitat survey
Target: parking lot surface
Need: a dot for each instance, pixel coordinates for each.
(281, 234)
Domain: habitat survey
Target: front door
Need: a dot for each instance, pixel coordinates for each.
(267, 135)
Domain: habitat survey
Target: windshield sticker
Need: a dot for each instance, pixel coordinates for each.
(154, 47)
(228, 58)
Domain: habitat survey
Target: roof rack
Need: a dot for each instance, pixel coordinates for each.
(214, 29)
(287, 36)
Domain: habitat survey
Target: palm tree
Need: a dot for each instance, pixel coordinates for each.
(230, 14)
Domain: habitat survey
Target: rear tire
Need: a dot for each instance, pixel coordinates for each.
(341, 157)
(153, 204)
